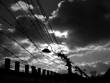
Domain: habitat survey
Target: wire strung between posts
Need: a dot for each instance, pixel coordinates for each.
(13, 38)
(45, 29)
(42, 25)
(12, 26)
(34, 24)
(49, 25)
(10, 52)
(35, 20)
(23, 32)
(4, 20)
(42, 11)
(17, 43)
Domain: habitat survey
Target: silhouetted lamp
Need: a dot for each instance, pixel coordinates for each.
(46, 50)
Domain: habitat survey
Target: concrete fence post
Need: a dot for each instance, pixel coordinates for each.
(26, 68)
(17, 66)
(7, 63)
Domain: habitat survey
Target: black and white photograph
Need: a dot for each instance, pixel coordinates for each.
(54, 41)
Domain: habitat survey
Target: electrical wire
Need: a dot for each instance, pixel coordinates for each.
(12, 26)
(46, 30)
(22, 31)
(1, 2)
(42, 25)
(16, 42)
(13, 38)
(31, 12)
(47, 18)
(10, 52)
(34, 24)
(37, 22)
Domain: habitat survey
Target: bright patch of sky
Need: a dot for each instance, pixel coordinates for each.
(21, 5)
(59, 33)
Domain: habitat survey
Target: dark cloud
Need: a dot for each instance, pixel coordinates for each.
(23, 25)
(28, 26)
(88, 20)
(49, 5)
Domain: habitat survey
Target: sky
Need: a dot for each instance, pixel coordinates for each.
(80, 29)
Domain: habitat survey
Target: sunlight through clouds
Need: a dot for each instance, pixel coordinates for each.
(48, 61)
(21, 5)
(40, 17)
(56, 47)
(59, 33)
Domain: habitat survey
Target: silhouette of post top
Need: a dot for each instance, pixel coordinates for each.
(26, 68)
(33, 68)
(34, 71)
(44, 72)
(39, 71)
(48, 72)
(7, 63)
(17, 66)
(52, 73)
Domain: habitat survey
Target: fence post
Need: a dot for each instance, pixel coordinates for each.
(44, 72)
(7, 63)
(48, 72)
(39, 71)
(26, 68)
(17, 66)
(33, 69)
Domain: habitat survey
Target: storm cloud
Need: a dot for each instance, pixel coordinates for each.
(82, 26)
(88, 20)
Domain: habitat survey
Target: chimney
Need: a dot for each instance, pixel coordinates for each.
(26, 68)
(7, 63)
(17, 66)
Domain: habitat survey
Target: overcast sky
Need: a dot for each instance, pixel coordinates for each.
(80, 26)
